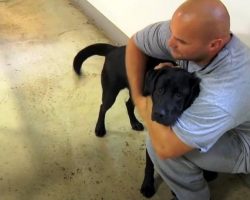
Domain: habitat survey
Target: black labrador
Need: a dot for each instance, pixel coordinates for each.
(113, 80)
(172, 91)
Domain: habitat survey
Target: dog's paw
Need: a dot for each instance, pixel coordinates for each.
(147, 191)
(100, 132)
(137, 126)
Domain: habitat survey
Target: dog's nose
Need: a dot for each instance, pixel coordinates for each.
(159, 114)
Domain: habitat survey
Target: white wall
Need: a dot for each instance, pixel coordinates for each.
(131, 15)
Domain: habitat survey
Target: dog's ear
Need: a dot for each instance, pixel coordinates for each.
(149, 81)
(195, 90)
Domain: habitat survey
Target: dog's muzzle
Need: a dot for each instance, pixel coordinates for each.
(163, 117)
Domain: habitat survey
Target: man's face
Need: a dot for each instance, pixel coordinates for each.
(186, 42)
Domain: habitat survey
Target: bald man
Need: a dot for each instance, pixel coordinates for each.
(214, 133)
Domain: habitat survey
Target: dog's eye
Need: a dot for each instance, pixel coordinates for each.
(160, 91)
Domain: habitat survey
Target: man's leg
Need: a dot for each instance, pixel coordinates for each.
(228, 155)
(184, 174)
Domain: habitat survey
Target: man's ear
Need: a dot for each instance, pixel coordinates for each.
(150, 81)
(216, 44)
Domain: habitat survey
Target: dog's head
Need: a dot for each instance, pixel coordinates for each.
(172, 90)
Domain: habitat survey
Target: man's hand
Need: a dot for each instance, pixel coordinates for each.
(141, 105)
(165, 64)
(149, 106)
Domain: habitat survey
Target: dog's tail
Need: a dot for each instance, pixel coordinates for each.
(100, 49)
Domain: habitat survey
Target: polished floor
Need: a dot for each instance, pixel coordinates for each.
(48, 150)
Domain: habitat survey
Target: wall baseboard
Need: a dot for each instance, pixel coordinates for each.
(102, 22)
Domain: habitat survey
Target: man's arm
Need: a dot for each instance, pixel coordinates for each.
(135, 67)
(164, 140)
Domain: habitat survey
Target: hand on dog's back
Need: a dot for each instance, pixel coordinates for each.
(165, 64)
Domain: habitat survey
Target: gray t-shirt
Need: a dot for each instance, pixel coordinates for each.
(223, 104)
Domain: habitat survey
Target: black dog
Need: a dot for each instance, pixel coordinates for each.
(172, 90)
(113, 79)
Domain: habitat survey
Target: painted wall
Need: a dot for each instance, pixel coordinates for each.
(131, 15)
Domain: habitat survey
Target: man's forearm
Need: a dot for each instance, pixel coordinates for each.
(165, 142)
(135, 67)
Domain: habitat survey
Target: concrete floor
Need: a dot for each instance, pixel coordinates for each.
(48, 148)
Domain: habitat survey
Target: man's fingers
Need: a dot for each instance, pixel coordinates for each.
(165, 64)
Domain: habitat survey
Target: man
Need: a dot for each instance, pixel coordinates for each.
(214, 133)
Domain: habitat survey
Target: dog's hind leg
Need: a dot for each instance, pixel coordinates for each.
(108, 99)
(136, 125)
(148, 188)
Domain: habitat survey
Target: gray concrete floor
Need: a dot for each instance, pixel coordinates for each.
(48, 149)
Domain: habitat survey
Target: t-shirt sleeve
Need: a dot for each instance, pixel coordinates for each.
(202, 124)
(152, 40)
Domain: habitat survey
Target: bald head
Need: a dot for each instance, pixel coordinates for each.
(210, 17)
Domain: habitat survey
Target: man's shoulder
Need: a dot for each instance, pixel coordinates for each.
(152, 39)
(238, 47)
